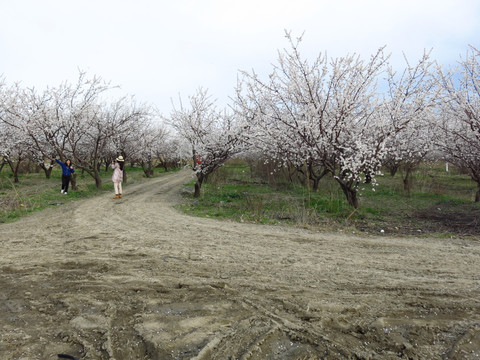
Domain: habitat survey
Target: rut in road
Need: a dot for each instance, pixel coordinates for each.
(133, 278)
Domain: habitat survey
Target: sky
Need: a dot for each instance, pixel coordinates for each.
(160, 50)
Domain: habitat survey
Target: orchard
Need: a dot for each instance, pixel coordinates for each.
(316, 142)
(348, 117)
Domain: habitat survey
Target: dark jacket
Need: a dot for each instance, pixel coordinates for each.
(65, 169)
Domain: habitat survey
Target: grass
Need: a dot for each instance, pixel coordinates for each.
(235, 193)
(34, 192)
(440, 203)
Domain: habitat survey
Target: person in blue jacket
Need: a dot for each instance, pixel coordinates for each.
(67, 171)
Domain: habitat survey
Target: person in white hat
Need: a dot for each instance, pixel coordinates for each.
(117, 176)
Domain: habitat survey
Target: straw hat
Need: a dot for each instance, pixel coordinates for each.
(120, 158)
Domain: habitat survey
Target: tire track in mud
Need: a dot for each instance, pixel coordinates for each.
(135, 279)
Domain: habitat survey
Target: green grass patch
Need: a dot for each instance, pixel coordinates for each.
(236, 193)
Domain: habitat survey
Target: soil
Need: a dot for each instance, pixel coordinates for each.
(461, 220)
(133, 278)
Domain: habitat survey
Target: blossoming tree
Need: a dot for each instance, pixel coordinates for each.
(459, 138)
(330, 115)
(213, 134)
(409, 108)
(324, 113)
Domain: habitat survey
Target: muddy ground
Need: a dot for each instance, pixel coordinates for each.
(135, 279)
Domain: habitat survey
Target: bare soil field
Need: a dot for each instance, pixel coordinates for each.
(135, 279)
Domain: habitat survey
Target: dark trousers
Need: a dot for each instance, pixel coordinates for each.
(65, 182)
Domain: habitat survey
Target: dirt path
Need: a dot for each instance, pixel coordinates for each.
(135, 279)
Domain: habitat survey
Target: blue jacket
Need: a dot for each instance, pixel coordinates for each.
(65, 169)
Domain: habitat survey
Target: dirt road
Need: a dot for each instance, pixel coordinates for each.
(135, 279)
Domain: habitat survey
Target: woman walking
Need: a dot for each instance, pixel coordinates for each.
(67, 171)
(117, 176)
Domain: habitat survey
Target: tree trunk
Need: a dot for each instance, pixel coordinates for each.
(368, 178)
(14, 169)
(477, 194)
(301, 176)
(73, 181)
(96, 176)
(196, 194)
(407, 184)
(392, 167)
(316, 177)
(47, 170)
(198, 185)
(98, 182)
(124, 155)
(148, 172)
(407, 179)
(350, 192)
(147, 168)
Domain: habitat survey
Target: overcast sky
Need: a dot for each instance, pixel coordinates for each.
(158, 49)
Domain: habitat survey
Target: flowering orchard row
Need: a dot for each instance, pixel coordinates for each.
(347, 117)
(75, 121)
